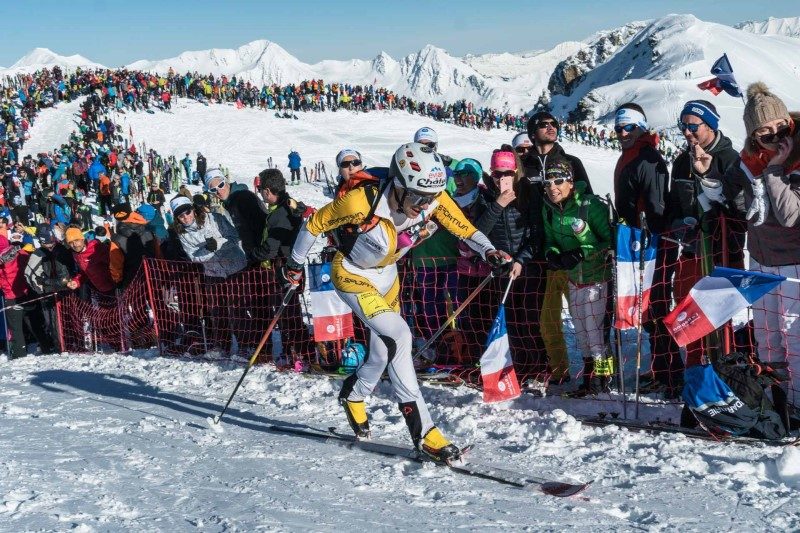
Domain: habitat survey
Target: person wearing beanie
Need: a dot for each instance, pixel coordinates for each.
(131, 243)
(155, 196)
(521, 143)
(577, 237)
(767, 172)
(504, 216)
(430, 138)
(92, 263)
(641, 185)
(350, 166)
(49, 269)
(543, 129)
(702, 243)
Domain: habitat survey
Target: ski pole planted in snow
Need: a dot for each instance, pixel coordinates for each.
(286, 299)
(639, 299)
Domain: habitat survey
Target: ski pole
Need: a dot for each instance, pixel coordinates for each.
(454, 314)
(286, 299)
(50, 295)
(639, 298)
(617, 336)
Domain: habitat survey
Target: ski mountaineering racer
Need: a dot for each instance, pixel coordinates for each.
(385, 222)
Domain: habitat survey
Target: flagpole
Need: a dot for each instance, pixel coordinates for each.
(639, 298)
(505, 294)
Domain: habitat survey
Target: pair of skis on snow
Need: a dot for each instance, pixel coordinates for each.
(558, 489)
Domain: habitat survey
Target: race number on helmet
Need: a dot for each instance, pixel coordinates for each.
(418, 168)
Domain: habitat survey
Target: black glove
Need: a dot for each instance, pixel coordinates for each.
(553, 259)
(292, 273)
(500, 261)
(211, 244)
(571, 258)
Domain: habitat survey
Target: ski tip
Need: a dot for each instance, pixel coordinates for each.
(213, 423)
(563, 490)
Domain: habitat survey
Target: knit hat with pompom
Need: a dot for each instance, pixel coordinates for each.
(762, 106)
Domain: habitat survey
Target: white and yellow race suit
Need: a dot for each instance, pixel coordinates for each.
(366, 279)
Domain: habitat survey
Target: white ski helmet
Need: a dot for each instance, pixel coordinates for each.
(418, 168)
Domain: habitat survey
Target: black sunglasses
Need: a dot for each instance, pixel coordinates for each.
(770, 138)
(348, 164)
(683, 126)
(522, 149)
(546, 123)
(627, 128)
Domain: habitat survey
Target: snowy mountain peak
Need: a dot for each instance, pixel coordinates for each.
(787, 27)
(40, 58)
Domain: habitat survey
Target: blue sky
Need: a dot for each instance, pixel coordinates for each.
(115, 33)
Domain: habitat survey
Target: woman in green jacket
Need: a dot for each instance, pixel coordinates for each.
(577, 239)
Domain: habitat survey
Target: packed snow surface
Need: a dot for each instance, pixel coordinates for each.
(110, 442)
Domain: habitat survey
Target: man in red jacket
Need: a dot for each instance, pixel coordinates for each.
(93, 262)
(19, 314)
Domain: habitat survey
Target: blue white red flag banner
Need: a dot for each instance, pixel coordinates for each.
(724, 80)
(629, 254)
(497, 369)
(332, 318)
(715, 299)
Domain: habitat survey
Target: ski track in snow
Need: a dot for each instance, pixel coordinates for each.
(104, 442)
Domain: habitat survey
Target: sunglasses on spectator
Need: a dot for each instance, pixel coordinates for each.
(497, 174)
(626, 128)
(769, 138)
(348, 164)
(544, 124)
(683, 126)
(417, 199)
(522, 149)
(555, 181)
(217, 188)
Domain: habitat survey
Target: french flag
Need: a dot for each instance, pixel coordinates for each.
(629, 255)
(715, 299)
(332, 318)
(497, 369)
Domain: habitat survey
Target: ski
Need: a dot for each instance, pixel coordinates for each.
(668, 427)
(507, 477)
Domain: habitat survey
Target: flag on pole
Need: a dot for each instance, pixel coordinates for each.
(497, 369)
(715, 299)
(724, 80)
(629, 254)
(332, 318)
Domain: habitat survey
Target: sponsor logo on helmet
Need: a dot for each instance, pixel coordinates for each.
(426, 149)
(415, 166)
(410, 154)
(402, 163)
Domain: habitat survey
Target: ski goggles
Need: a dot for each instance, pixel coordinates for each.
(348, 164)
(555, 181)
(770, 138)
(417, 199)
(627, 128)
(691, 127)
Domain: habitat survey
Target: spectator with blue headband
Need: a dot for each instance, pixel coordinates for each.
(641, 182)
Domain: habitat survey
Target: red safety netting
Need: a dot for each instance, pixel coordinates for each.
(174, 306)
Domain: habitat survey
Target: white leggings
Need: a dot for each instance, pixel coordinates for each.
(373, 295)
(587, 306)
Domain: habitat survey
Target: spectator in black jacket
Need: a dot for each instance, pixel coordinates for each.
(699, 123)
(504, 216)
(641, 182)
(155, 196)
(243, 206)
(283, 221)
(201, 165)
(543, 130)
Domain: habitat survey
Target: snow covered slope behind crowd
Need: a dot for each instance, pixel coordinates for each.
(40, 58)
